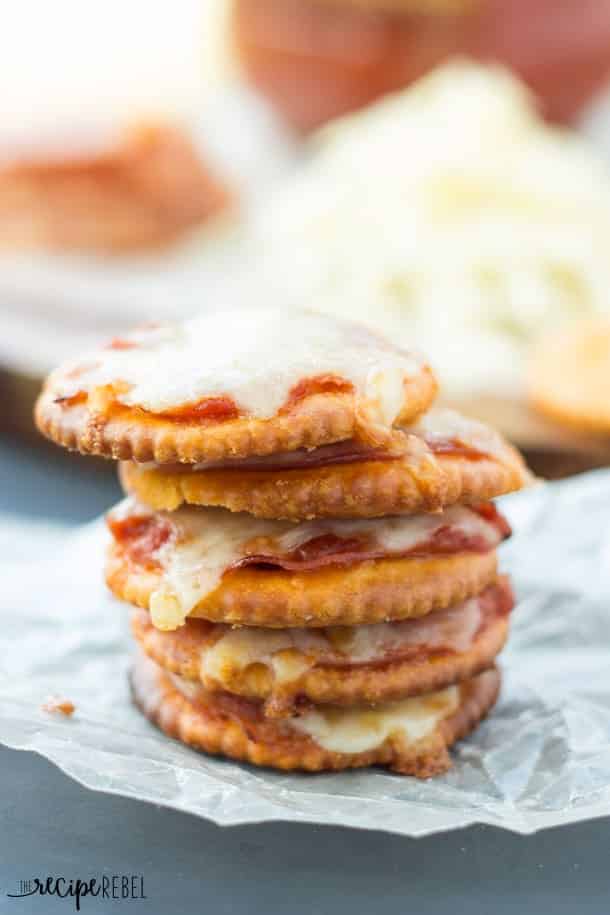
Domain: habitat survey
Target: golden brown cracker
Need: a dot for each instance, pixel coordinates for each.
(237, 729)
(363, 489)
(183, 653)
(569, 377)
(126, 433)
(364, 592)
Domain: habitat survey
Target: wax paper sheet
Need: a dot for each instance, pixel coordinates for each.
(541, 759)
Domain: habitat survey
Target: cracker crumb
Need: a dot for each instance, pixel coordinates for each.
(54, 706)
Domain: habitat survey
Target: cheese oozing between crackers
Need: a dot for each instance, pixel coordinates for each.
(289, 653)
(198, 545)
(359, 729)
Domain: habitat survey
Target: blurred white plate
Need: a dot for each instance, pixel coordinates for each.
(52, 306)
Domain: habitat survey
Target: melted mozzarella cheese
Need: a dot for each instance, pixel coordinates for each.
(209, 540)
(291, 652)
(442, 423)
(358, 730)
(453, 628)
(287, 652)
(395, 534)
(255, 357)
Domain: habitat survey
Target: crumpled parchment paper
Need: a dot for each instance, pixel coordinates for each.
(542, 758)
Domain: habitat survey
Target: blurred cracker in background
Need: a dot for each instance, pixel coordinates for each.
(569, 379)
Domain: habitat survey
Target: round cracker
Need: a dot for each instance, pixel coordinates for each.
(129, 433)
(183, 653)
(363, 592)
(238, 730)
(569, 377)
(364, 489)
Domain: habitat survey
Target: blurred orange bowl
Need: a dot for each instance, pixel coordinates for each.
(318, 59)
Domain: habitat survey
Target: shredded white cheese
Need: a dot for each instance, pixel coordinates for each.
(449, 214)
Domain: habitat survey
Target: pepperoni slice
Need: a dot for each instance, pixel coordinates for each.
(346, 452)
(141, 536)
(71, 400)
(329, 549)
(453, 447)
(489, 512)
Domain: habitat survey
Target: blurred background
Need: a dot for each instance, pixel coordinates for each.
(437, 168)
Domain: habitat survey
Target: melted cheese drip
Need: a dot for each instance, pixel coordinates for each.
(209, 540)
(289, 653)
(442, 423)
(255, 357)
(358, 730)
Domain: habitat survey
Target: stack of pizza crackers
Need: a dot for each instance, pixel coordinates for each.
(308, 546)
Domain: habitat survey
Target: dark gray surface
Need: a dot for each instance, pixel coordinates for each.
(54, 485)
(50, 826)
